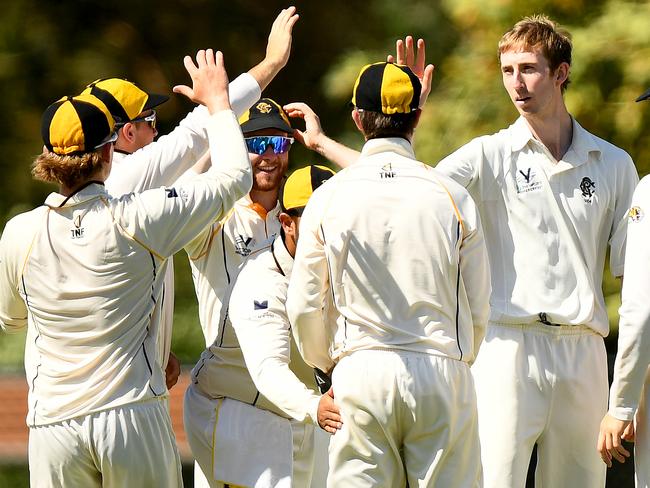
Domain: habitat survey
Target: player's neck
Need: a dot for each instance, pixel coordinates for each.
(554, 130)
(267, 199)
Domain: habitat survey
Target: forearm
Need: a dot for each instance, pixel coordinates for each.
(335, 152)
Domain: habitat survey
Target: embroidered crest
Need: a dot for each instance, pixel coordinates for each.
(241, 245)
(263, 107)
(588, 188)
(635, 214)
(527, 181)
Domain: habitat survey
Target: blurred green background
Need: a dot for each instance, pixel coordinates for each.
(51, 49)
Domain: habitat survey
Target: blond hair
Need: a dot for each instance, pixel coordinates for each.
(540, 32)
(66, 170)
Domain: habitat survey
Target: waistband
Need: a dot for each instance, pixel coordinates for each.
(548, 328)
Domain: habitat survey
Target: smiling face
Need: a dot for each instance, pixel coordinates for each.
(531, 84)
(268, 168)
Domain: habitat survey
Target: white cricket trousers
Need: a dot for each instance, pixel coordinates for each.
(545, 385)
(406, 416)
(642, 438)
(200, 415)
(128, 446)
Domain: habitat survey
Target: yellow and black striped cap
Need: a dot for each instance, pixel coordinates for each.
(124, 98)
(297, 189)
(74, 125)
(265, 114)
(387, 88)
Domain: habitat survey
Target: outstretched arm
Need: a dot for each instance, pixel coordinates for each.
(405, 53)
(315, 139)
(278, 48)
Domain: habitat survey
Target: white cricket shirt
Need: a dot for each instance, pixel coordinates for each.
(548, 224)
(83, 273)
(161, 163)
(633, 355)
(259, 317)
(394, 252)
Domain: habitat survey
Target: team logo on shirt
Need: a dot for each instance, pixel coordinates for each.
(78, 231)
(241, 245)
(387, 171)
(171, 192)
(260, 304)
(588, 188)
(527, 181)
(635, 214)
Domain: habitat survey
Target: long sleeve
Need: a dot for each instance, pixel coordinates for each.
(475, 272)
(165, 220)
(13, 248)
(633, 354)
(308, 290)
(162, 162)
(259, 318)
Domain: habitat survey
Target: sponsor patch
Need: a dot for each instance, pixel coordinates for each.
(527, 181)
(635, 214)
(260, 304)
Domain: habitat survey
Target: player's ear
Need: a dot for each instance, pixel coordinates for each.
(286, 222)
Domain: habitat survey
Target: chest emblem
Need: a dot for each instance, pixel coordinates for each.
(241, 245)
(588, 189)
(527, 180)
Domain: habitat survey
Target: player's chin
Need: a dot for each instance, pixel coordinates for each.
(266, 182)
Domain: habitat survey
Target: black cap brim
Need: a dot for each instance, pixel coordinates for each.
(260, 123)
(645, 96)
(154, 100)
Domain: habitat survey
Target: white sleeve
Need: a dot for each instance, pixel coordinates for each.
(462, 165)
(626, 180)
(308, 289)
(13, 250)
(165, 220)
(633, 354)
(259, 318)
(475, 270)
(162, 162)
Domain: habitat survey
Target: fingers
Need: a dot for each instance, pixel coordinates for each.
(390, 58)
(399, 51)
(184, 90)
(628, 433)
(190, 66)
(410, 51)
(420, 56)
(602, 450)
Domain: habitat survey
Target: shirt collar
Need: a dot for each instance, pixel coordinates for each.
(283, 259)
(582, 144)
(246, 201)
(94, 190)
(393, 144)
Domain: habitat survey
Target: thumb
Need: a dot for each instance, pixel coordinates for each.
(184, 90)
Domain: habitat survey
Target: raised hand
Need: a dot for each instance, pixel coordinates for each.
(406, 54)
(209, 81)
(313, 133)
(278, 47)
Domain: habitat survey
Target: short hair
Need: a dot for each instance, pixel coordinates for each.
(377, 124)
(540, 32)
(66, 170)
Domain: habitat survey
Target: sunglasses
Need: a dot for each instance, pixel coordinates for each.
(259, 144)
(110, 139)
(149, 119)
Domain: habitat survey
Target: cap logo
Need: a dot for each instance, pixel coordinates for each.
(263, 107)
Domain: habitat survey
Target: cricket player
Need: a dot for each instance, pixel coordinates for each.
(82, 272)
(140, 164)
(390, 288)
(257, 313)
(628, 417)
